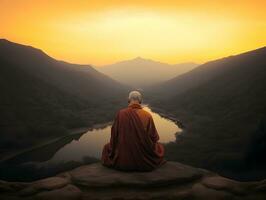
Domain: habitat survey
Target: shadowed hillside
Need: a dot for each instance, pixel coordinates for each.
(222, 105)
(140, 72)
(43, 98)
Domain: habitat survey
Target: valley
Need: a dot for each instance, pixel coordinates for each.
(220, 106)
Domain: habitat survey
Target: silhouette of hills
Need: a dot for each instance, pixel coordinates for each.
(42, 97)
(140, 72)
(222, 104)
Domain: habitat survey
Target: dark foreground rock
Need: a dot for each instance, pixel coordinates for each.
(171, 181)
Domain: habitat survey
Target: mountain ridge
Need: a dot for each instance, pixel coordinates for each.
(183, 79)
(43, 98)
(141, 72)
(139, 58)
(222, 106)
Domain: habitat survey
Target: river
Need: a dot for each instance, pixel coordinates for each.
(73, 151)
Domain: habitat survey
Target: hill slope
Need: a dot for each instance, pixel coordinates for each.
(223, 107)
(42, 97)
(141, 72)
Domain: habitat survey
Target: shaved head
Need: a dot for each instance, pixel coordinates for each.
(135, 96)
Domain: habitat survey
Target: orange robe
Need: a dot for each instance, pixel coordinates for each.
(134, 142)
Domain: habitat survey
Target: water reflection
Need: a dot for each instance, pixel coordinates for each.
(71, 151)
(92, 142)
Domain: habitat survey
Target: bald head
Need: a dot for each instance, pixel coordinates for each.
(134, 96)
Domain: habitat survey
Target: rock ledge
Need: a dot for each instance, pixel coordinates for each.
(171, 181)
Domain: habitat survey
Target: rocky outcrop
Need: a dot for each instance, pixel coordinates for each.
(171, 181)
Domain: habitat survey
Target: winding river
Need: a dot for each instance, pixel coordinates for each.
(74, 151)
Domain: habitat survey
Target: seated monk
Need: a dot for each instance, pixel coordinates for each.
(134, 140)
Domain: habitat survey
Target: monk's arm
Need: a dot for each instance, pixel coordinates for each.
(152, 131)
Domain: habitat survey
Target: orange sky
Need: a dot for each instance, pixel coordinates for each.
(103, 32)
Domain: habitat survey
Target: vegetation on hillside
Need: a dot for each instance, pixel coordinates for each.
(222, 110)
(43, 98)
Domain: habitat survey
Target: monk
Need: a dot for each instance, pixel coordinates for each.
(134, 139)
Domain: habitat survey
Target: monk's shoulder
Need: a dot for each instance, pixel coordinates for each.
(141, 112)
(147, 113)
(144, 113)
(123, 111)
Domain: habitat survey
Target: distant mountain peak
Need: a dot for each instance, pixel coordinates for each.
(138, 58)
(134, 72)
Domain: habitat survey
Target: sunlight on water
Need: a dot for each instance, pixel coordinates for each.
(91, 143)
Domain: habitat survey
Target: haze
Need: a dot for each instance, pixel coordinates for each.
(105, 32)
(135, 72)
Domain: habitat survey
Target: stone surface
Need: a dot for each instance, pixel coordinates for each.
(44, 184)
(11, 186)
(199, 191)
(221, 183)
(69, 192)
(96, 175)
(171, 181)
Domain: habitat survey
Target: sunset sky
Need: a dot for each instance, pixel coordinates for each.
(103, 32)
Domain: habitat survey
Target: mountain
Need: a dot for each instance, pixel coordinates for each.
(140, 72)
(43, 98)
(222, 105)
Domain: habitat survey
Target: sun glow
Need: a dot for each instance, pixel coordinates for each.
(108, 32)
